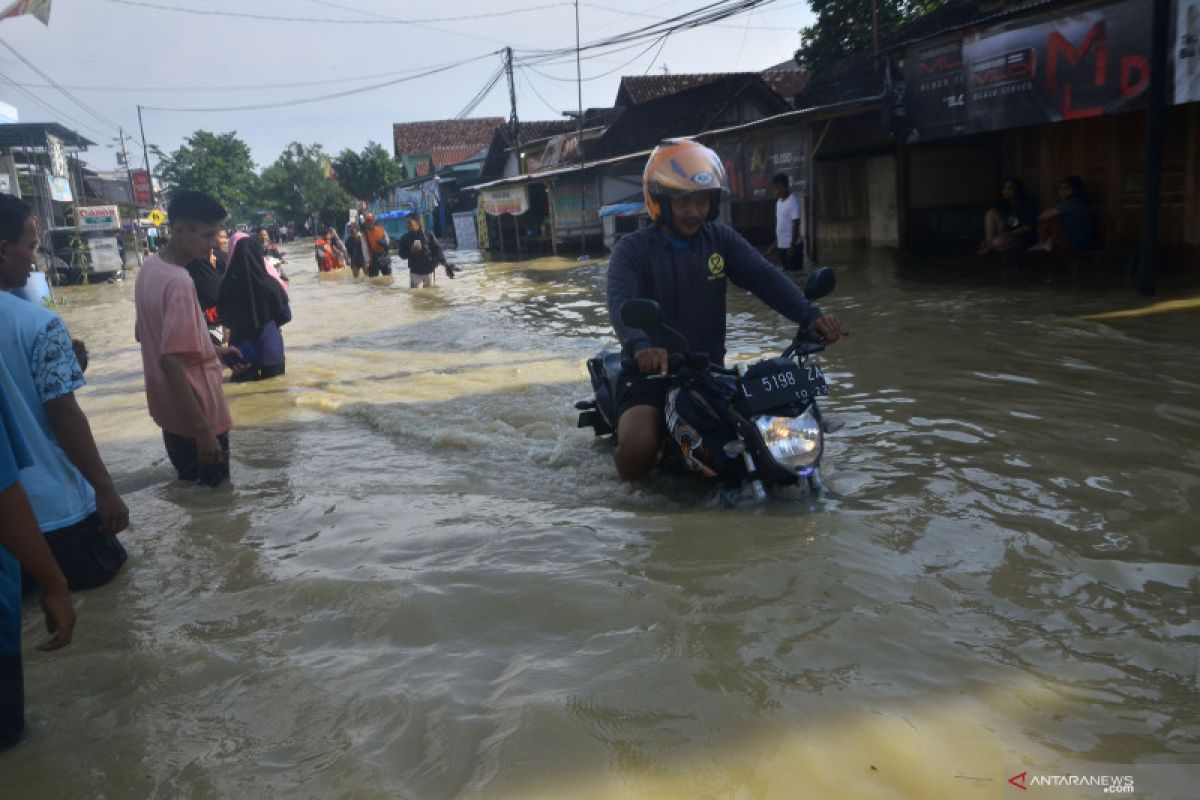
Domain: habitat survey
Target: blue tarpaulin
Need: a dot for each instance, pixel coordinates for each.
(623, 209)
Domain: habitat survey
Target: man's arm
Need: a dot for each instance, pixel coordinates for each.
(749, 270)
(20, 535)
(74, 435)
(207, 446)
(625, 284)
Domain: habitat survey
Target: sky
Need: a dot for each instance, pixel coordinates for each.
(113, 55)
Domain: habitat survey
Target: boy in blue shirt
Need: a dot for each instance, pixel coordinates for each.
(73, 496)
(21, 541)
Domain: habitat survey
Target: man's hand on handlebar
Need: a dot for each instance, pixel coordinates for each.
(829, 328)
(653, 360)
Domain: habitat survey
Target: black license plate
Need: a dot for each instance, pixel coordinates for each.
(778, 382)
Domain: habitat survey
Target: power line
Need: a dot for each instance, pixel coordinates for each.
(650, 66)
(236, 88)
(705, 15)
(64, 92)
(482, 94)
(54, 112)
(318, 98)
(377, 19)
(715, 25)
(399, 21)
(528, 84)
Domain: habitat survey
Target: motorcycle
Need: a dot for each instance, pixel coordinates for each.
(755, 425)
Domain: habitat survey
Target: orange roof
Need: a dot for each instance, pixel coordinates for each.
(420, 138)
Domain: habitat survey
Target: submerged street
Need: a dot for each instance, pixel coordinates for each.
(429, 583)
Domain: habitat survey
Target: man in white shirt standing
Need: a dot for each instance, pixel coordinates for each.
(787, 225)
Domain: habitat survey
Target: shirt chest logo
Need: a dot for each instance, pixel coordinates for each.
(716, 267)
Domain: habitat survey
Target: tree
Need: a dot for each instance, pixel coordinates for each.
(218, 164)
(844, 27)
(368, 175)
(299, 184)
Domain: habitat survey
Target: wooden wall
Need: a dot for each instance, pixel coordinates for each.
(1108, 153)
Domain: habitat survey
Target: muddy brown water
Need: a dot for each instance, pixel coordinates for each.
(426, 582)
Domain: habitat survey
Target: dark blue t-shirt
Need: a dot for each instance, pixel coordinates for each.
(14, 456)
(688, 279)
(1076, 221)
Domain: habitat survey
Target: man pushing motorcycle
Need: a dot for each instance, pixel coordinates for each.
(683, 262)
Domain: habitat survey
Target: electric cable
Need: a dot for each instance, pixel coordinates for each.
(54, 112)
(331, 20)
(64, 92)
(528, 84)
(319, 98)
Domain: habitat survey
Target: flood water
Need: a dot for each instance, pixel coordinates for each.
(425, 582)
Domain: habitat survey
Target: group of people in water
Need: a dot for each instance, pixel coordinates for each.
(1014, 224)
(368, 251)
(243, 293)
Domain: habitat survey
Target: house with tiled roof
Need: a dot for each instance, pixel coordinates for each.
(426, 147)
(661, 109)
(634, 90)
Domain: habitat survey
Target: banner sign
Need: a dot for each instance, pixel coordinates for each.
(142, 195)
(769, 153)
(466, 235)
(98, 218)
(935, 96)
(576, 204)
(1073, 66)
(60, 190)
(1187, 52)
(508, 200)
(105, 254)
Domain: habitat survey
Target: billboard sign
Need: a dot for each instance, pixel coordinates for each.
(1187, 52)
(98, 218)
(1072, 66)
(142, 195)
(936, 89)
(508, 200)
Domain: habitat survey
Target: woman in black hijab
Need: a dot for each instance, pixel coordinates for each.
(253, 305)
(206, 276)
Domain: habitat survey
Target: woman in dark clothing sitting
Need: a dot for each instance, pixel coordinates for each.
(253, 305)
(1011, 224)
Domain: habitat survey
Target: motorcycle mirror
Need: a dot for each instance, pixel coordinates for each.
(820, 283)
(641, 313)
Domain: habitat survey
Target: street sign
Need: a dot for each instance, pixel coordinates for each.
(156, 217)
(98, 218)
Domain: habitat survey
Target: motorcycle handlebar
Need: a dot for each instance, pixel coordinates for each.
(676, 363)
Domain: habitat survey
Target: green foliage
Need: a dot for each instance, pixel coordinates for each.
(218, 164)
(844, 27)
(369, 174)
(299, 185)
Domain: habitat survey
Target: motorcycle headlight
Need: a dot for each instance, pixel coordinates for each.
(792, 441)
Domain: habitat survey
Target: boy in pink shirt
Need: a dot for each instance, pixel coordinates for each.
(182, 366)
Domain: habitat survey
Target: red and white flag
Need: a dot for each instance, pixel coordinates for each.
(39, 8)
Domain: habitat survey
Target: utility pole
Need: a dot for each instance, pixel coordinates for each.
(579, 138)
(137, 247)
(1149, 251)
(514, 124)
(146, 156)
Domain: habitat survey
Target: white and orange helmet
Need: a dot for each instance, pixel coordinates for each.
(678, 167)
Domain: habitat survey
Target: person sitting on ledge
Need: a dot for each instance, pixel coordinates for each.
(1067, 226)
(1010, 224)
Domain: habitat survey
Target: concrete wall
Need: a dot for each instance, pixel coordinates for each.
(883, 221)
